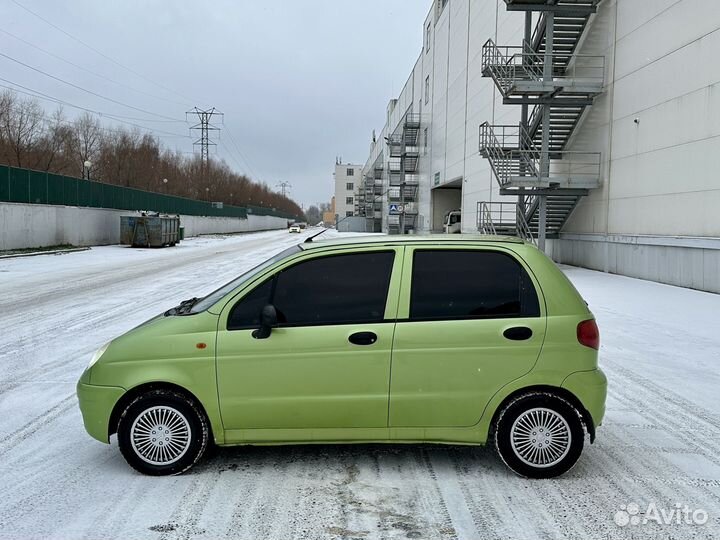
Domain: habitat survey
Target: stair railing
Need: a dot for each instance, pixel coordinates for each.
(523, 228)
(501, 217)
(512, 151)
(485, 223)
(507, 65)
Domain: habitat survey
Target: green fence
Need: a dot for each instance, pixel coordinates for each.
(36, 187)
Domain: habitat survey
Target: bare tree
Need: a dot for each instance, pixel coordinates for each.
(54, 148)
(21, 123)
(313, 215)
(87, 140)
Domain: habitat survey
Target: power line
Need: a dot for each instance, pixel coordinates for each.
(83, 89)
(81, 42)
(78, 66)
(49, 120)
(242, 156)
(41, 95)
(232, 156)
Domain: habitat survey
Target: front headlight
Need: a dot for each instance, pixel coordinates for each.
(98, 354)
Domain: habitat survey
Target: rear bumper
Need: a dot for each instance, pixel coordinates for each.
(96, 406)
(590, 387)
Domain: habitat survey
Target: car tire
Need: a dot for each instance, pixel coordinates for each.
(539, 435)
(162, 432)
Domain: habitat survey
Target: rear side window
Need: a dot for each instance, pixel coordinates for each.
(338, 289)
(465, 284)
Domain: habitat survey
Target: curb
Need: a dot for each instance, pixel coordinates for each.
(52, 252)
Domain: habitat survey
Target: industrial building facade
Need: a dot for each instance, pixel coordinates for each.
(589, 126)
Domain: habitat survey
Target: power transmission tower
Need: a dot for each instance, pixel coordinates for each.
(205, 126)
(284, 187)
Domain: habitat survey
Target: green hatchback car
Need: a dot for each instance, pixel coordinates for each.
(448, 339)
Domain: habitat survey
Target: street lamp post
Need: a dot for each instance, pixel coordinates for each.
(207, 194)
(86, 168)
(165, 181)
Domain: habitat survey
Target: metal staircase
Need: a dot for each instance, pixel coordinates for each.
(403, 193)
(554, 86)
(568, 29)
(372, 196)
(563, 121)
(559, 208)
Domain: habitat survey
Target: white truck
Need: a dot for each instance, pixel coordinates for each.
(452, 223)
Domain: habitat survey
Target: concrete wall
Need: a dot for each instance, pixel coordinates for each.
(37, 225)
(683, 261)
(352, 224)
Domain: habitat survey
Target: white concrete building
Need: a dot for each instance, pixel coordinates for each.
(630, 94)
(347, 179)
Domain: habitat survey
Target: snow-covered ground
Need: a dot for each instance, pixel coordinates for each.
(660, 444)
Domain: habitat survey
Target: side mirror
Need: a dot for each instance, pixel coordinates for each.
(268, 320)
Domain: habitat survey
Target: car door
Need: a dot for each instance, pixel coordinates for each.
(327, 363)
(469, 321)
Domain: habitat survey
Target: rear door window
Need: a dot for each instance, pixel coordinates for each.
(470, 284)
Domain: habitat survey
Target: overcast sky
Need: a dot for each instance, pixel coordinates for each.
(299, 82)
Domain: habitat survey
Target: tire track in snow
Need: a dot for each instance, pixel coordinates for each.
(36, 424)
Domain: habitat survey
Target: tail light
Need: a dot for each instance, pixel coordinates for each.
(588, 334)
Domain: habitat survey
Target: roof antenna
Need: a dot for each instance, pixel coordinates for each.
(309, 239)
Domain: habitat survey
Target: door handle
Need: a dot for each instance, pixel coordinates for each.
(518, 333)
(363, 338)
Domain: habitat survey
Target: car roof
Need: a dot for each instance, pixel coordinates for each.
(380, 239)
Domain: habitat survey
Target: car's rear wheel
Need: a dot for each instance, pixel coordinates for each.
(162, 432)
(539, 435)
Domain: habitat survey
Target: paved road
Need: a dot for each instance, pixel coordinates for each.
(660, 443)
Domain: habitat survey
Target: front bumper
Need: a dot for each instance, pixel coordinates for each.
(590, 387)
(96, 406)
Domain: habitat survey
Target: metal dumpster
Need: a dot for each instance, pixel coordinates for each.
(149, 231)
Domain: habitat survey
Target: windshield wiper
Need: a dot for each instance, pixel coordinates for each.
(184, 307)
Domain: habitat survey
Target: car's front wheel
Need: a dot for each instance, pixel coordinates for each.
(162, 432)
(539, 435)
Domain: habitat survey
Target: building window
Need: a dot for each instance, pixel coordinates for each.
(348, 200)
(425, 139)
(440, 7)
(351, 172)
(428, 33)
(350, 186)
(427, 89)
(349, 213)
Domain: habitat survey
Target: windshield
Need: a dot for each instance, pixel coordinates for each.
(212, 298)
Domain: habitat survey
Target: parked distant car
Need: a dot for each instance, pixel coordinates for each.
(302, 225)
(486, 339)
(295, 228)
(453, 222)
